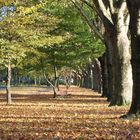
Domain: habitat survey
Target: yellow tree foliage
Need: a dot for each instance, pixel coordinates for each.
(6, 2)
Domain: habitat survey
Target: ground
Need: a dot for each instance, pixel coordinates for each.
(82, 115)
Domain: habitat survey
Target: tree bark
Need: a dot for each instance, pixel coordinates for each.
(56, 78)
(122, 67)
(97, 79)
(134, 10)
(119, 49)
(85, 79)
(53, 86)
(39, 80)
(109, 66)
(91, 74)
(104, 71)
(121, 86)
(8, 86)
(35, 81)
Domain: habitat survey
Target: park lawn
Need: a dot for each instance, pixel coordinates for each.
(81, 115)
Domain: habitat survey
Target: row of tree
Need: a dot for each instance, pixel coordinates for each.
(44, 41)
(110, 21)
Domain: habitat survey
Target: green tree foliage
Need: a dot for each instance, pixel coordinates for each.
(79, 45)
(42, 36)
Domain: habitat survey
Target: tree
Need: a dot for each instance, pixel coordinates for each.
(11, 51)
(11, 54)
(12, 37)
(134, 10)
(114, 16)
(55, 39)
(85, 44)
(66, 43)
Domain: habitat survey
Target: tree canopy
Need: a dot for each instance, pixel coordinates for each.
(51, 33)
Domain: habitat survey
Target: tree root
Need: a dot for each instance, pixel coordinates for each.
(130, 116)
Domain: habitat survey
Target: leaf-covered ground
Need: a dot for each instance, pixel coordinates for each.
(82, 115)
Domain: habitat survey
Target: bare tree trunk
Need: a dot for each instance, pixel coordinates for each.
(90, 76)
(56, 78)
(35, 81)
(121, 82)
(134, 10)
(8, 87)
(67, 84)
(104, 68)
(39, 80)
(19, 80)
(97, 79)
(54, 92)
(53, 86)
(122, 68)
(85, 78)
(109, 66)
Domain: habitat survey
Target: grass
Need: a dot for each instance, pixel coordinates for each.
(82, 115)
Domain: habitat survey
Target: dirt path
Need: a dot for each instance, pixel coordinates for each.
(82, 115)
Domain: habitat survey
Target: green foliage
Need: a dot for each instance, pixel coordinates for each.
(9, 51)
(44, 34)
(83, 46)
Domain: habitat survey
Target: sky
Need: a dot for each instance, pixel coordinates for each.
(5, 10)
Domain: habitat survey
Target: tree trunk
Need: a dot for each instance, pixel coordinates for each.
(79, 79)
(67, 83)
(113, 14)
(54, 93)
(104, 71)
(75, 79)
(56, 79)
(39, 80)
(134, 9)
(8, 86)
(97, 80)
(53, 86)
(109, 69)
(121, 71)
(121, 60)
(35, 81)
(85, 79)
(90, 76)
(19, 80)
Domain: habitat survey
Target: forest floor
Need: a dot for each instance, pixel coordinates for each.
(82, 115)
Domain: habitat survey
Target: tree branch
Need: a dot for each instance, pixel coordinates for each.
(86, 18)
(105, 10)
(48, 80)
(99, 11)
